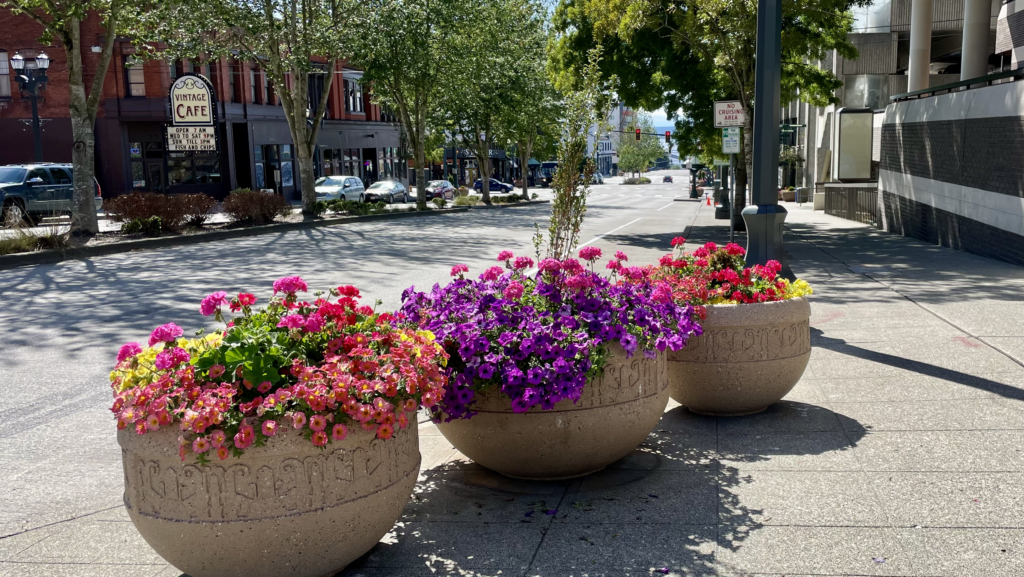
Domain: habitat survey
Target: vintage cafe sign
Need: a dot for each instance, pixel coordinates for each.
(192, 102)
(193, 125)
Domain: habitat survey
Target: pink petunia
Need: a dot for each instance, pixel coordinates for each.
(292, 322)
(318, 422)
(216, 371)
(339, 432)
(514, 291)
(264, 387)
(269, 428)
(222, 453)
(298, 420)
(200, 445)
(492, 273)
(590, 253)
(212, 303)
(290, 285)
(128, 350)
(165, 334)
(522, 262)
(459, 269)
(621, 256)
(217, 438)
(505, 255)
(245, 436)
(319, 438)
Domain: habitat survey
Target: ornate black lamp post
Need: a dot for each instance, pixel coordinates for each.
(31, 80)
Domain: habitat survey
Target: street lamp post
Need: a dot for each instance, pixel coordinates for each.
(31, 80)
(764, 217)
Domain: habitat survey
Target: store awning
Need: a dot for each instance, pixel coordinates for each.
(533, 162)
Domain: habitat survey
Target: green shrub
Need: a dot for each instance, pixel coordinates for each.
(463, 191)
(196, 208)
(535, 196)
(379, 207)
(151, 226)
(467, 200)
(19, 243)
(634, 180)
(440, 202)
(254, 207)
(319, 208)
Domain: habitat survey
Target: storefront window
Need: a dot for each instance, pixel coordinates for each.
(286, 152)
(179, 170)
(207, 170)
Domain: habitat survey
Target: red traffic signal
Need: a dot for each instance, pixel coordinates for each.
(638, 135)
(668, 137)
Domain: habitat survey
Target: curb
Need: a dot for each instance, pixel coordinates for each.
(55, 255)
(515, 204)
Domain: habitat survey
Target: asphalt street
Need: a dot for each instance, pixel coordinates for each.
(64, 322)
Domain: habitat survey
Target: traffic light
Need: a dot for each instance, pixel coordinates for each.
(668, 137)
(638, 135)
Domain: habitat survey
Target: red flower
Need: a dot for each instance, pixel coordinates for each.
(678, 241)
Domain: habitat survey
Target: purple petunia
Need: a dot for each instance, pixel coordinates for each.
(538, 336)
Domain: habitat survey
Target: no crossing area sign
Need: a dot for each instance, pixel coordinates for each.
(729, 113)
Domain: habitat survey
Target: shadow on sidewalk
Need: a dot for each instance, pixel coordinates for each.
(819, 339)
(665, 508)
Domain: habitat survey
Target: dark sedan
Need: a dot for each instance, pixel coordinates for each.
(385, 191)
(495, 186)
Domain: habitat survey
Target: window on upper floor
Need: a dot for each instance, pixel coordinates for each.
(353, 96)
(5, 76)
(235, 80)
(135, 79)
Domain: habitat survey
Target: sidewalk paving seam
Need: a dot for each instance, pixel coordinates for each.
(55, 523)
(910, 299)
(544, 530)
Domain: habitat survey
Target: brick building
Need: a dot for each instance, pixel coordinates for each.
(255, 149)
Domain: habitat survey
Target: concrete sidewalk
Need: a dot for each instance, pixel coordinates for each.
(900, 452)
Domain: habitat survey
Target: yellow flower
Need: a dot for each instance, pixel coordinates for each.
(797, 288)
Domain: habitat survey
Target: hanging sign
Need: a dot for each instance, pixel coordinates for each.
(193, 126)
(729, 113)
(730, 140)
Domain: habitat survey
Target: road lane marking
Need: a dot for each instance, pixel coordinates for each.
(666, 206)
(600, 236)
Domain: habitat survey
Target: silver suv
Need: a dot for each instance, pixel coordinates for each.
(30, 191)
(338, 187)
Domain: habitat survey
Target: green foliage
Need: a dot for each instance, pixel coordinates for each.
(641, 180)
(319, 208)
(19, 243)
(639, 156)
(440, 202)
(535, 196)
(508, 198)
(467, 200)
(151, 226)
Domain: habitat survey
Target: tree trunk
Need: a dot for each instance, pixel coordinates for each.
(307, 178)
(83, 152)
(420, 163)
(524, 169)
(744, 168)
(484, 160)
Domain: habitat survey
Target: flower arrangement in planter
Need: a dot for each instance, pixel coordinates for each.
(553, 374)
(756, 330)
(297, 420)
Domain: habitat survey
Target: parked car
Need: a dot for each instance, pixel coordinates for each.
(495, 186)
(385, 190)
(338, 188)
(597, 178)
(666, 178)
(441, 189)
(30, 191)
(547, 172)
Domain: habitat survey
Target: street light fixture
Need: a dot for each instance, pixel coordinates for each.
(31, 80)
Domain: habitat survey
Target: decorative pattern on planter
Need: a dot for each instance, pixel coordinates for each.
(746, 344)
(267, 487)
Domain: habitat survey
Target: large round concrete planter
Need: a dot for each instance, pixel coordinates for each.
(614, 415)
(287, 508)
(749, 357)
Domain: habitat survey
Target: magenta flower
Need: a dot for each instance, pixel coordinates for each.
(550, 265)
(522, 262)
(459, 269)
(505, 255)
(213, 302)
(492, 273)
(590, 253)
(613, 265)
(572, 266)
(621, 255)
(514, 291)
(290, 285)
(216, 371)
(128, 350)
(165, 334)
(314, 324)
(579, 282)
(292, 322)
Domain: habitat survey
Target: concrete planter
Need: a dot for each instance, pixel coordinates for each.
(287, 508)
(614, 415)
(749, 357)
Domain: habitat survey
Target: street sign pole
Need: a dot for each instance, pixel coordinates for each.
(732, 198)
(764, 218)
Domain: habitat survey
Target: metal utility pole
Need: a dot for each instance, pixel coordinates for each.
(764, 218)
(31, 80)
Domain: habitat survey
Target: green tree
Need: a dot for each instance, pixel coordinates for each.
(405, 50)
(637, 156)
(62, 22)
(288, 38)
(684, 54)
(499, 52)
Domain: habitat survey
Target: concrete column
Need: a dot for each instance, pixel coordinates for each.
(920, 44)
(974, 55)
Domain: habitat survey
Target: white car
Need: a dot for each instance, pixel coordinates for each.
(338, 188)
